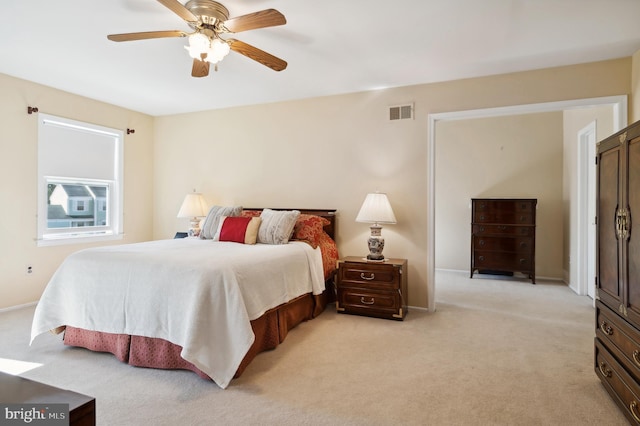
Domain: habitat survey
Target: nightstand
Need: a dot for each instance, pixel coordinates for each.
(376, 289)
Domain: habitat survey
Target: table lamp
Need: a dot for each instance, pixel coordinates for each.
(376, 209)
(194, 208)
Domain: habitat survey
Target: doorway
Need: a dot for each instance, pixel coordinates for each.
(619, 104)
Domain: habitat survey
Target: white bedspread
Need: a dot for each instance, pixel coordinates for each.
(198, 294)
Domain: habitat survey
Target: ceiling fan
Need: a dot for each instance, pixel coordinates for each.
(209, 19)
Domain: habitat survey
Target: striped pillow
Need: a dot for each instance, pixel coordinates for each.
(277, 226)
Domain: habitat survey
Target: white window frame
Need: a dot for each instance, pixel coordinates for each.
(82, 234)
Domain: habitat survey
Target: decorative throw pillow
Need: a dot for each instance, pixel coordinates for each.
(277, 226)
(309, 228)
(251, 213)
(242, 230)
(211, 222)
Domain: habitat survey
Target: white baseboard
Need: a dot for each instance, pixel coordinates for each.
(466, 271)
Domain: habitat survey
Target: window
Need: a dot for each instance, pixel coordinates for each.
(79, 181)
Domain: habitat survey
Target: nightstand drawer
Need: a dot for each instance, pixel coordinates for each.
(371, 275)
(369, 302)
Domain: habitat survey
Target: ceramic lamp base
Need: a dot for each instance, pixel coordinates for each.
(376, 244)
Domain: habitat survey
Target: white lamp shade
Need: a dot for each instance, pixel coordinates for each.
(376, 209)
(193, 206)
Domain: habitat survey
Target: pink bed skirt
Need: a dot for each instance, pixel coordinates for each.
(270, 330)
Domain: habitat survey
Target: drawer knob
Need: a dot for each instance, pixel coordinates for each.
(606, 329)
(636, 357)
(364, 302)
(633, 407)
(604, 370)
(371, 277)
(502, 227)
(482, 242)
(481, 258)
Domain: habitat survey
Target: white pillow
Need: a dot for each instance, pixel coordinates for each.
(210, 224)
(277, 226)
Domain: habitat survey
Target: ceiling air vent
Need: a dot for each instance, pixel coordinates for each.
(401, 112)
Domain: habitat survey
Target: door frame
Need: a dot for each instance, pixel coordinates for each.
(619, 104)
(585, 267)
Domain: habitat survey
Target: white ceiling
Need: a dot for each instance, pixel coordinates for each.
(331, 46)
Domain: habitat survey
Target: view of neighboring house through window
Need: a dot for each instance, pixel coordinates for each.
(80, 181)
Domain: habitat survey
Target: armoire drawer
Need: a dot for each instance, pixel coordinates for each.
(621, 337)
(620, 385)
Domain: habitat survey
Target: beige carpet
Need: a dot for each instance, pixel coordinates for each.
(496, 352)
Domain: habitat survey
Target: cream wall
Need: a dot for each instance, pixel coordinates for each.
(330, 151)
(517, 156)
(18, 180)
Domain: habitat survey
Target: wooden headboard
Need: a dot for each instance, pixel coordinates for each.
(329, 214)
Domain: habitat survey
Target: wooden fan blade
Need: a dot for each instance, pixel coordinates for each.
(179, 9)
(258, 55)
(262, 19)
(146, 35)
(200, 68)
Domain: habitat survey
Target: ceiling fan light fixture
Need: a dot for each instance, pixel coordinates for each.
(198, 44)
(209, 19)
(203, 47)
(218, 50)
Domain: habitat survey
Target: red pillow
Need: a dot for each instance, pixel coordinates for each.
(310, 228)
(242, 230)
(234, 228)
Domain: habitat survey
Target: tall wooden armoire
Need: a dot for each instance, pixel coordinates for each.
(617, 342)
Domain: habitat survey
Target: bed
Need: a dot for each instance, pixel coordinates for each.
(208, 304)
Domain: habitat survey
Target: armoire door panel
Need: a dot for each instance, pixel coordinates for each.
(633, 205)
(608, 247)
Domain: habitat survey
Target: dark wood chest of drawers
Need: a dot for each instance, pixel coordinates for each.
(377, 289)
(503, 235)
